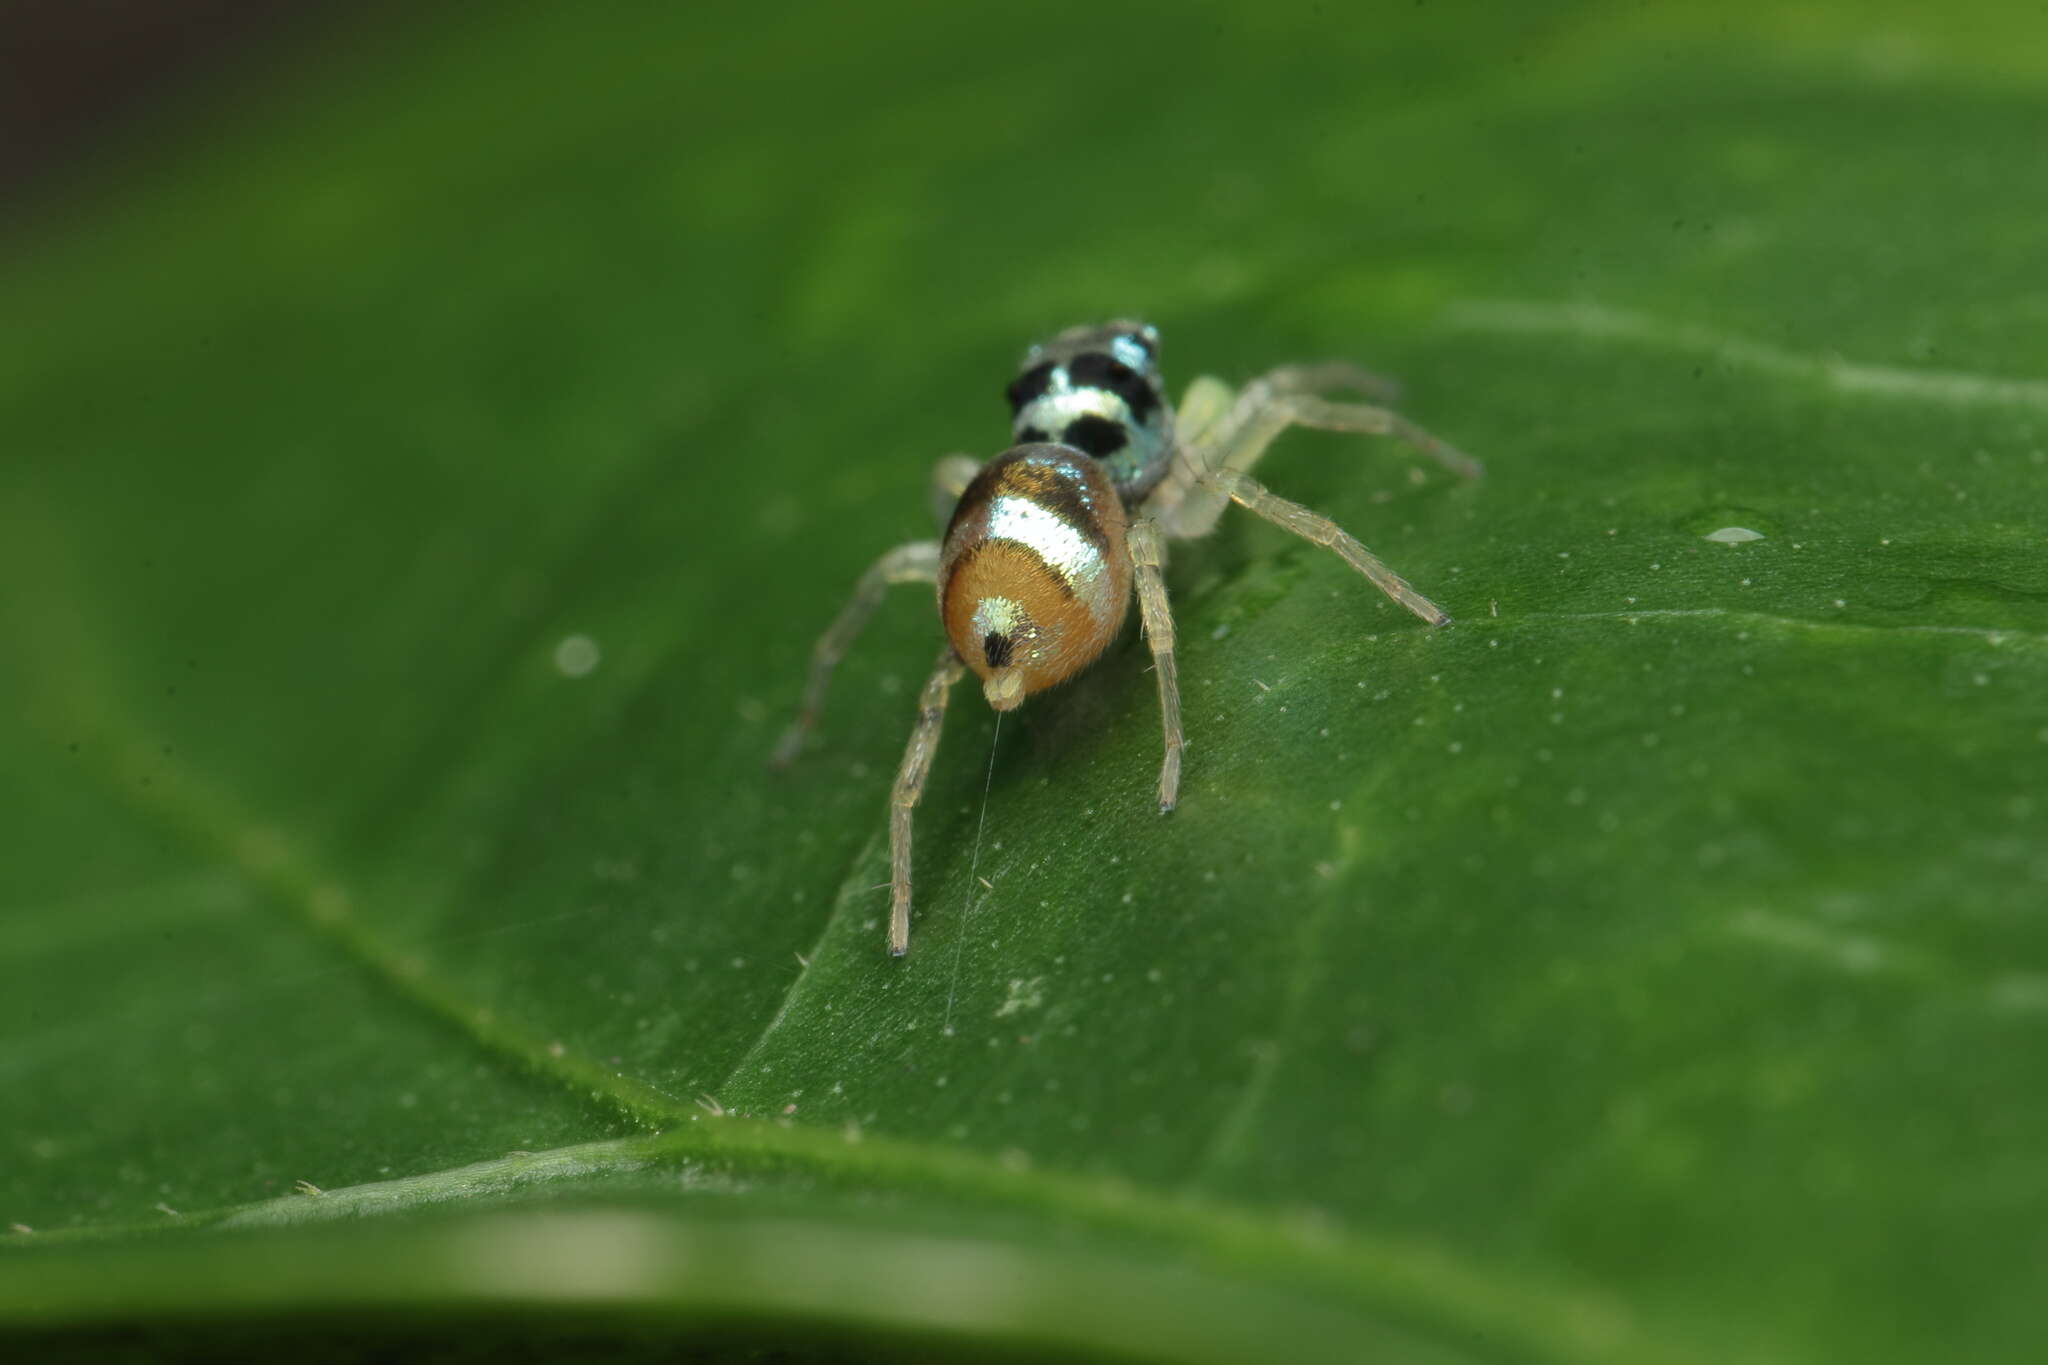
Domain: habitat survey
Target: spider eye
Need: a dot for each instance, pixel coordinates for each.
(1030, 385)
(1098, 371)
(1098, 436)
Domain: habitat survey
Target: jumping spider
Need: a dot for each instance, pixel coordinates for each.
(1042, 543)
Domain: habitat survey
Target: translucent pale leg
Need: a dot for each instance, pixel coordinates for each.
(950, 477)
(1333, 374)
(1265, 409)
(1209, 401)
(910, 778)
(1235, 436)
(1249, 493)
(1148, 557)
(1203, 408)
(915, 562)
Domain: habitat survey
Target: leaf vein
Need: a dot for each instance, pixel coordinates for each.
(1600, 322)
(849, 889)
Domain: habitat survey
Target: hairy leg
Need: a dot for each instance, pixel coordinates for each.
(1147, 551)
(910, 780)
(915, 562)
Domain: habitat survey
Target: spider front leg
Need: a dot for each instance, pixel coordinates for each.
(1220, 429)
(915, 562)
(910, 779)
(1148, 557)
(1330, 374)
(1286, 397)
(1225, 434)
(1249, 493)
(950, 477)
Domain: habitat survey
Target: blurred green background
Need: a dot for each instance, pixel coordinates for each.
(431, 449)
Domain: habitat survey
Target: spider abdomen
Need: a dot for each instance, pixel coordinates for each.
(1034, 578)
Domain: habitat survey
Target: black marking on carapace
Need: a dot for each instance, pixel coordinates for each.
(996, 648)
(1098, 371)
(1138, 340)
(1098, 436)
(1032, 436)
(1031, 385)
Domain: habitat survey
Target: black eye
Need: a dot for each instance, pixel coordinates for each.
(1031, 436)
(1098, 371)
(1098, 436)
(1030, 385)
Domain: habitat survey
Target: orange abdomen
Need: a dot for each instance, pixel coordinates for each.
(1034, 579)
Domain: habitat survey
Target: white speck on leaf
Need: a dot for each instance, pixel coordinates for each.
(1025, 994)
(577, 656)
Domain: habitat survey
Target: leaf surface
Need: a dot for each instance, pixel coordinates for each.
(426, 477)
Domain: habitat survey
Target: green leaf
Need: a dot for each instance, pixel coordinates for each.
(425, 478)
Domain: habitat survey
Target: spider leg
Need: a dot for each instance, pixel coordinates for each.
(910, 779)
(1232, 431)
(914, 562)
(1205, 404)
(1249, 493)
(1148, 556)
(1271, 413)
(950, 477)
(1334, 374)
